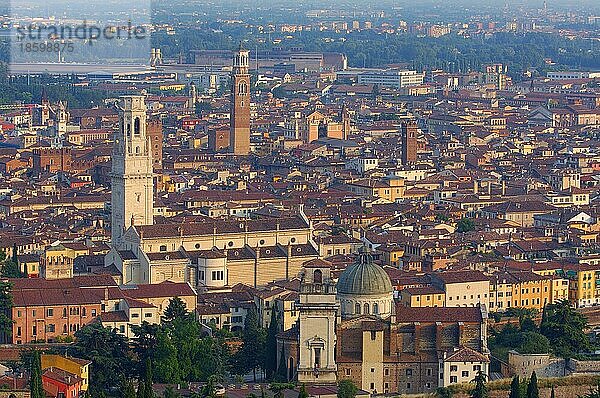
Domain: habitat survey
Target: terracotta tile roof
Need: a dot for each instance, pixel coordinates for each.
(460, 276)
(73, 296)
(465, 354)
(438, 314)
(164, 289)
(219, 227)
(114, 316)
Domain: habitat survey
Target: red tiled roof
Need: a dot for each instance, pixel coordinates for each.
(438, 314)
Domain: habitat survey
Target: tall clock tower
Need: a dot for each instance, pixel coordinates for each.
(132, 188)
(239, 137)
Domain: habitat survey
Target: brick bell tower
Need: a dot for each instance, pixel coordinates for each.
(239, 137)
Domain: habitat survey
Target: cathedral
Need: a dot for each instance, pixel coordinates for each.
(354, 330)
(207, 255)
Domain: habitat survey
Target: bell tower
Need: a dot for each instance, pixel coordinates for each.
(132, 188)
(240, 104)
(318, 309)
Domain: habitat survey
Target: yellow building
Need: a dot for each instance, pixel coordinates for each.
(76, 366)
(524, 289)
(584, 284)
(57, 260)
(391, 254)
(388, 188)
(422, 297)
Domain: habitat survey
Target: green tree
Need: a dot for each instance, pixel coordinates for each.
(552, 394)
(209, 389)
(141, 392)
(15, 256)
(6, 303)
(465, 225)
(443, 392)
(128, 389)
(36, 386)
(111, 357)
(10, 267)
(532, 387)
(252, 351)
(480, 390)
(145, 341)
(346, 389)
(148, 380)
(166, 365)
(515, 388)
(302, 393)
(271, 347)
(175, 310)
(170, 393)
(565, 329)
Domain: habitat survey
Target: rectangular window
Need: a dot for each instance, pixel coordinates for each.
(147, 315)
(465, 373)
(51, 328)
(135, 315)
(347, 371)
(386, 372)
(453, 368)
(50, 312)
(453, 379)
(317, 357)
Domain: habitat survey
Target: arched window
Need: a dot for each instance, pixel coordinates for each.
(128, 130)
(242, 88)
(136, 126)
(357, 308)
(375, 308)
(137, 150)
(318, 276)
(291, 368)
(367, 308)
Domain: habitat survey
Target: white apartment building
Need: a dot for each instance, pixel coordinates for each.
(397, 78)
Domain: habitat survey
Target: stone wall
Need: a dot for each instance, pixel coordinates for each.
(576, 366)
(523, 365)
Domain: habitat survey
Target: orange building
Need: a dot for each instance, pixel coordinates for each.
(52, 314)
(60, 383)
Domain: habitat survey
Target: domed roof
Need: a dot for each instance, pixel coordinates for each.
(364, 278)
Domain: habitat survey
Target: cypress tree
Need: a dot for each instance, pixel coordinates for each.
(36, 385)
(480, 390)
(148, 390)
(15, 259)
(141, 393)
(271, 349)
(128, 389)
(532, 387)
(552, 393)
(515, 388)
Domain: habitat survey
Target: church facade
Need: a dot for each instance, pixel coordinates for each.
(381, 346)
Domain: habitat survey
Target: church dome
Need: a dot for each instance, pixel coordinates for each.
(364, 278)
